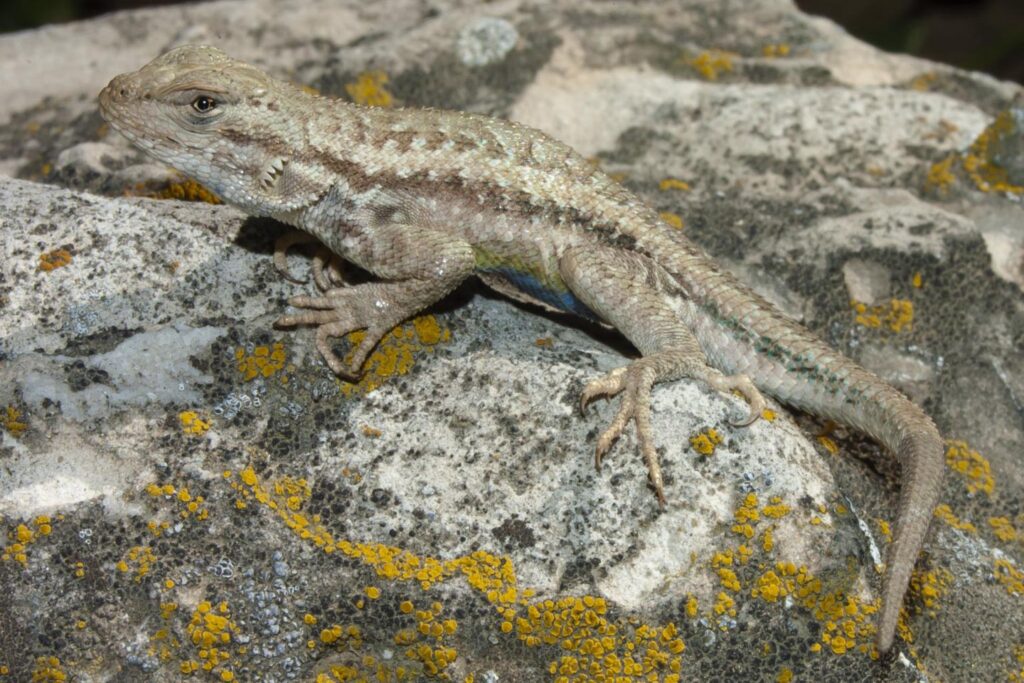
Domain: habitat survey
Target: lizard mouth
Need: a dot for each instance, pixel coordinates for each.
(272, 173)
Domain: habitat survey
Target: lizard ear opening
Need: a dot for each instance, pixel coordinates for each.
(288, 184)
(272, 173)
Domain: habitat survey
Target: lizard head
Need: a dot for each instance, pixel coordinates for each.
(223, 122)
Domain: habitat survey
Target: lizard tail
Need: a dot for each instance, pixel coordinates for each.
(915, 441)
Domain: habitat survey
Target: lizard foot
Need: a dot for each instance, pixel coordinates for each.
(374, 307)
(339, 311)
(636, 381)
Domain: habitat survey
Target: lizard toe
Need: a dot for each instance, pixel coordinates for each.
(330, 299)
(309, 318)
(281, 246)
(324, 333)
(614, 430)
(605, 386)
(746, 388)
(327, 270)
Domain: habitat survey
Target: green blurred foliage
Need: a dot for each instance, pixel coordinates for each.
(21, 14)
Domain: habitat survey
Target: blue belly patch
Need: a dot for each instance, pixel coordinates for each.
(561, 299)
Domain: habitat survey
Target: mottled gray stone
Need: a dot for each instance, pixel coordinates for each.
(811, 175)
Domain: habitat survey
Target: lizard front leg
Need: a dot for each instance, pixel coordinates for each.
(628, 291)
(418, 266)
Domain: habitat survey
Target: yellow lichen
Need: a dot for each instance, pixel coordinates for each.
(395, 353)
(773, 50)
(23, 536)
(191, 507)
(211, 632)
(980, 161)
(140, 557)
(847, 622)
(769, 587)
(971, 465)
(186, 190)
(12, 422)
(767, 540)
(369, 89)
(578, 625)
(828, 444)
(724, 605)
(705, 442)
(292, 491)
(692, 607)
(263, 361)
(52, 260)
(929, 586)
(673, 184)
(1017, 675)
(711, 63)
(897, 316)
(673, 219)
(746, 513)
(776, 509)
(923, 81)
(728, 578)
(48, 670)
(1003, 528)
(192, 424)
(946, 514)
(1011, 578)
(940, 175)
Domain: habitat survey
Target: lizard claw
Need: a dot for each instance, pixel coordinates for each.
(751, 418)
(746, 388)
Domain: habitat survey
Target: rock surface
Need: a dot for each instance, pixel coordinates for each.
(185, 490)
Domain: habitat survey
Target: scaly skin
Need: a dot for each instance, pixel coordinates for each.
(423, 199)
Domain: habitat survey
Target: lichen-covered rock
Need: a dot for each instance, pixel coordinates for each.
(187, 491)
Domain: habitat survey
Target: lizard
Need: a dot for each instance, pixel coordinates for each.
(423, 199)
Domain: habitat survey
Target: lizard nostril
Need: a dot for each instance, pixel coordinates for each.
(124, 92)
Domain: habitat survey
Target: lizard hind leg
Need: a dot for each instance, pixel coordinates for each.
(630, 292)
(327, 269)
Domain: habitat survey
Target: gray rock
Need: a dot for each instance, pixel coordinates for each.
(178, 475)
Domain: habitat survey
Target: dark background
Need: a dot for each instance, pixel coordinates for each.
(983, 35)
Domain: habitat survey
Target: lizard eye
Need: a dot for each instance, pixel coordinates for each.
(204, 104)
